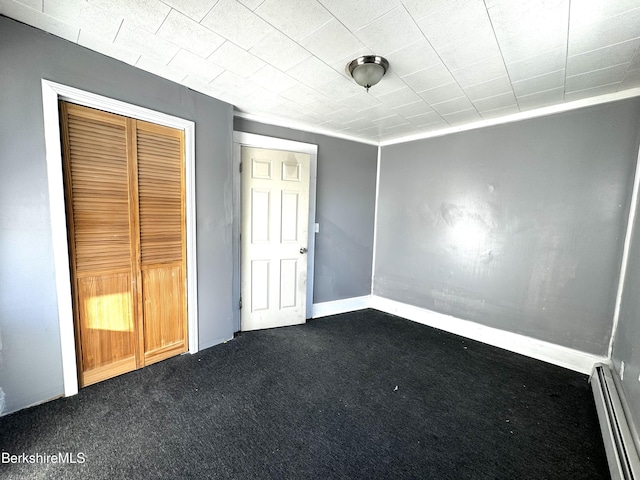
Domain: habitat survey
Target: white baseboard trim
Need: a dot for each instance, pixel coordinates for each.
(572, 359)
(335, 307)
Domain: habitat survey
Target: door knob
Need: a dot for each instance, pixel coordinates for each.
(303, 250)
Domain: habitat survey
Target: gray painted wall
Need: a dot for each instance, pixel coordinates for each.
(518, 227)
(626, 342)
(30, 358)
(345, 209)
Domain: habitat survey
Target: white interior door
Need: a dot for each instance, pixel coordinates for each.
(275, 210)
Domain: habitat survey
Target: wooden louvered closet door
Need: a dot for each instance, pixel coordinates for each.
(162, 240)
(124, 182)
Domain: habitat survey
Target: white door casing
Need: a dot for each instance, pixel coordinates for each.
(275, 211)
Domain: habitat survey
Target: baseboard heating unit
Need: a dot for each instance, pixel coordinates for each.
(617, 432)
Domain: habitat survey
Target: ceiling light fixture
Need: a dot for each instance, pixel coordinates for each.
(367, 70)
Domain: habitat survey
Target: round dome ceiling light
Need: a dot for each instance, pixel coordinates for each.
(367, 70)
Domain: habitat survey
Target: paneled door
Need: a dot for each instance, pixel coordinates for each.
(275, 212)
(124, 187)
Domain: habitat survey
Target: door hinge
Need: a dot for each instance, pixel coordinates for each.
(240, 167)
(240, 306)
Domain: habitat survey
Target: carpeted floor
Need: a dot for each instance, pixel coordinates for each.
(359, 395)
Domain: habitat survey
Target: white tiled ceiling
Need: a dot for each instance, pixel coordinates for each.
(453, 62)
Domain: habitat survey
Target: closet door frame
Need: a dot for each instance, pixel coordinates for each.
(51, 93)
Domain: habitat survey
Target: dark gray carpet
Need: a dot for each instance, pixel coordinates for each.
(359, 395)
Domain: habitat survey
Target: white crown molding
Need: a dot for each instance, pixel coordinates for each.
(516, 117)
(279, 122)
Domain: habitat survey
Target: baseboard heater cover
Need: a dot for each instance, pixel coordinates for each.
(622, 454)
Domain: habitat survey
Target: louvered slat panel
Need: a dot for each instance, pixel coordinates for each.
(100, 202)
(160, 192)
